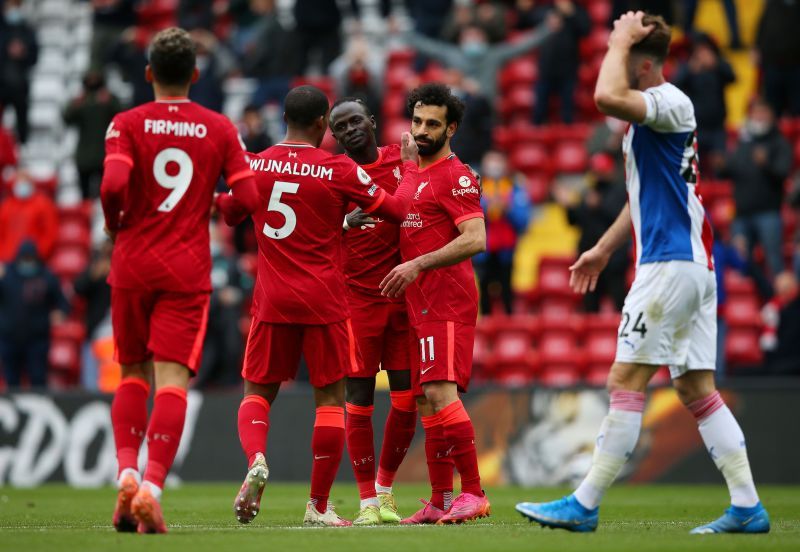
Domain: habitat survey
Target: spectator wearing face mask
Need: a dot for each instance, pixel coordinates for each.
(475, 57)
(758, 167)
(27, 214)
(19, 51)
(507, 209)
(30, 300)
(91, 112)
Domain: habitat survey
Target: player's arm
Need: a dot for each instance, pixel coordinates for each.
(470, 242)
(243, 199)
(613, 94)
(590, 264)
(117, 168)
(394, 207)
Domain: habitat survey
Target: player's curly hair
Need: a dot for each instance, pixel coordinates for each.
(172, 57)
(436, 93)
(656, 44)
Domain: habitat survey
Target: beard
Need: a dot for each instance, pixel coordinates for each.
(430, 148)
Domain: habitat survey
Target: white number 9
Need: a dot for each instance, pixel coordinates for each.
(178, 182)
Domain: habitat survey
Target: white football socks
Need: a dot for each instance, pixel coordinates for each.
(725, 443)
(129, 471)
(380, 489)
(370, 502)
(616, 440)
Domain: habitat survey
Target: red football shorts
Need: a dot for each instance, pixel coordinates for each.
(166, 326)
(382, 332)
(442, 351)
(273, 352)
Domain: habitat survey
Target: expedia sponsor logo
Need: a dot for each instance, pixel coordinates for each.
(465, 191)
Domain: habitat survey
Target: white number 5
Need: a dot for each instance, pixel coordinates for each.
(288, 213)
(178, 182)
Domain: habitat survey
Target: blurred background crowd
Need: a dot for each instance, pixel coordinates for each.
(551, 165)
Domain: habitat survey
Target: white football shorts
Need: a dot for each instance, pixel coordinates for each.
(670, 318)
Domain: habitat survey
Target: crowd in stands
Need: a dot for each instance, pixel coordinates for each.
(526, 71)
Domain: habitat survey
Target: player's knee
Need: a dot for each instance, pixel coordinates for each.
(360, 391)
(626, 378)
(440, 394)
(693, 386)
(141, 370)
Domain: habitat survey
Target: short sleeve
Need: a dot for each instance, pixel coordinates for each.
(358, 187)
(119, 140)
(668, 110)
(236, 163)
(461, 197)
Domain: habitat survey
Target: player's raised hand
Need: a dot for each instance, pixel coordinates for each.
(399, 279)
(629, 29)
(586, 270)
(408, 148)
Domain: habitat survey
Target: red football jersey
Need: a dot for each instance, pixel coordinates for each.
(306, 192)
(448, 194)
(371, 252)
(177, 150)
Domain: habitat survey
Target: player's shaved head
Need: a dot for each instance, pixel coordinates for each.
(172, 57)
(656, 44)
(304, 106)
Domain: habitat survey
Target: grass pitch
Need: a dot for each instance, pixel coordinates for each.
(641, 518)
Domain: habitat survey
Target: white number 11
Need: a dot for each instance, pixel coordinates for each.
(430, 355)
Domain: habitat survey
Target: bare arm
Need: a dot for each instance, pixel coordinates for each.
(613, 94)
(590, 264)
(470, 242)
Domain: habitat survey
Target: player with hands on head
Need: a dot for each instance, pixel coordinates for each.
(669, 316)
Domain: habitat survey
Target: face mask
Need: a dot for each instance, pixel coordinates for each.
(27, 268)
(23, 189)
(474, 49)
(757, 128)
(13, 16)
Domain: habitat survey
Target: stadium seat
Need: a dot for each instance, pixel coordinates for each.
(517, 102)
(600, 348)
(596, 375)
(602, 322)
(393, 129)
(599, 12)
(397, 78)
(524, 132)
(400, 57)
(558, 348)
(521, 72)
(65, 358)
(67, 262)
(570, 157)
(554, 275)
(538, 184)
(73, 232)
(394, 105)
(512, 346)
(595, 43)
(531, 158)
(326, 84)
(742, 347)
(559, 375)
(576, 132)
(738, 284)
(743, 311)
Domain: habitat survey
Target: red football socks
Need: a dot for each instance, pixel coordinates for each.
(397, 435)
(460, 437)
(327, 445)
(440, 464)
(164, 433)
(361, 447)
(253, 426)
(129, 420)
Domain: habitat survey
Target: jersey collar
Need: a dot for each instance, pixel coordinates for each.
(173, 99)
(295, 145)
(376, 162)
(452, 155)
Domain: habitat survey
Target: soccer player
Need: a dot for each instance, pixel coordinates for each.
(669, 315)
(443, 229)
(300, 300)
(163, 160)
(380, 324)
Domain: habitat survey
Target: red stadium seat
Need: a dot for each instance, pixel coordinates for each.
(522, 71)
(47, 186)
(400, 57)
(517, 372)
(600, 348)
(394, 105)
(398, 77)
(73, 232)
(65, 359)
(393, 129)
(595, 43)
(538, 184)
(68, 262)
(570, 157)
(512, 346)
(743, 311)
(597, 375)
(82, 212)
(576, 132)
(555, 304)
(517, 102)
(70, 330)
(554, 275)
(523, 132)
(531, 157)
(599, 12)
(556, 347)
(738, 284)
(721, 212)
(742, 347)
(602, 323)
(560, 375)
(326, 84)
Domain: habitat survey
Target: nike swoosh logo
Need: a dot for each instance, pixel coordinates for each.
(748, 520)
(320, 457)
(258, 422)
(426, 369)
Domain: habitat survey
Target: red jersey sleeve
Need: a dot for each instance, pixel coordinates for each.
(119, 141)
(460, 198)
(236, 164)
